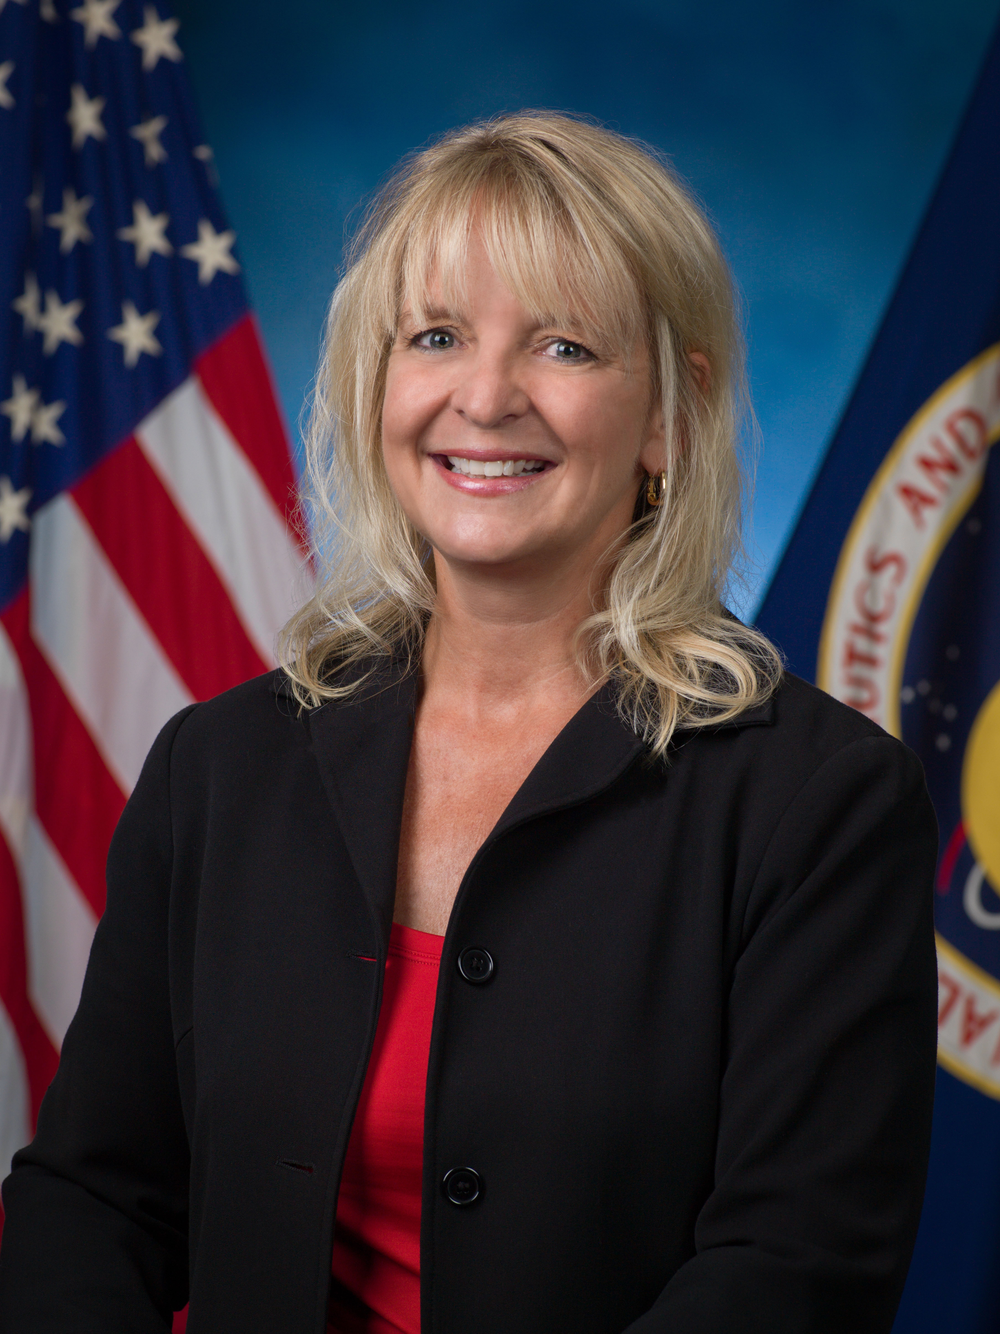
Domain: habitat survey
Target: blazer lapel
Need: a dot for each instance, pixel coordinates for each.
(593, 749)
(362, 748)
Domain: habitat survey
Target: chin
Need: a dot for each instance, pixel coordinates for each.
(488, 558)
(488, 554)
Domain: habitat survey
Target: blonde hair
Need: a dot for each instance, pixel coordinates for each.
(579, 223)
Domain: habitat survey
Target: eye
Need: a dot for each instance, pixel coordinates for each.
(435, 340)
(561, 349)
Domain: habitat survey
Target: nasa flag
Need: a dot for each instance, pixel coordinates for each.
(888, 596)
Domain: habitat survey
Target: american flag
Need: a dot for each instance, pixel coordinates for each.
(147, 547)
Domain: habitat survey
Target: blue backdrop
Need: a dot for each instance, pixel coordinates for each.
(813, 133)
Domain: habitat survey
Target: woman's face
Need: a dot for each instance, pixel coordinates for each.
(512, 445)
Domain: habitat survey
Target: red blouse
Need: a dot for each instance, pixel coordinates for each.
(376, 1245)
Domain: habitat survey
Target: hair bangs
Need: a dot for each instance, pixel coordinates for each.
(555, 255)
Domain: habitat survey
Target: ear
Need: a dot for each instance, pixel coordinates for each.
(653, 454)
(702, 368)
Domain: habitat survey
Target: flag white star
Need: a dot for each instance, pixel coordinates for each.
(6, 96)
(43, 424)
(20, 408)
(148, 133)
(29, 303)
(156, 37)
(146, 233)
(135, 333)
(19, 2)
(72, 221)
(204, 154)
(84, 116)
(95, 15)
(211, 251)
(58, 322)
(12, 507)
(47, 10)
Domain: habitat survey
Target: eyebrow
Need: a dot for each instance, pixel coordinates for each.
(432, 314)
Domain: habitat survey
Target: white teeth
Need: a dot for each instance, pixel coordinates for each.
(494, 467)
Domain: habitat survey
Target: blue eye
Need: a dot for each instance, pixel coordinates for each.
(439, 340)
(564, 350)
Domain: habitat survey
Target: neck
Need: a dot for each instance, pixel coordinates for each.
(500, 647)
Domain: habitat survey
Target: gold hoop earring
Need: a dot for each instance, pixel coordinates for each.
(656, 488)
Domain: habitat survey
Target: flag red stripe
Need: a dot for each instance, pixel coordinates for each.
(76, 799)
(40, 1057)
(170, 579)
(237, 381)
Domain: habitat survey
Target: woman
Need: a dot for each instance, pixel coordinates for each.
(654, 1046)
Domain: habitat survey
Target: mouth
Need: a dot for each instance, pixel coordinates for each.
(480, 467)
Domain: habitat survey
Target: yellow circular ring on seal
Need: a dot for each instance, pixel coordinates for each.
(981, 787)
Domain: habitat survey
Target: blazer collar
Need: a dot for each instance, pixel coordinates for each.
(362, 748)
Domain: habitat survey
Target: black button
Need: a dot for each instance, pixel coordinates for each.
(475, 964)
(462, 1185)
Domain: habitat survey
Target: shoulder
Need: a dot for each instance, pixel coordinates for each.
(819, 734)
(245, 727)
(225, 757)
(260, 701)
(808, 719)
(800, 745)
(821, 737)
(817, 806)
(800, 719)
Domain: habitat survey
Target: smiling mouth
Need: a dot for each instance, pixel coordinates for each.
(493, 467)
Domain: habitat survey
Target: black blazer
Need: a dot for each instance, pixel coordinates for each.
(696, 1089)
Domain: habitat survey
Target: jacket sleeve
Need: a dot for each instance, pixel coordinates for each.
(95, 1234)
(828, 1074)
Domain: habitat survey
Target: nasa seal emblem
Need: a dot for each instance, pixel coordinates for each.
(911, 638)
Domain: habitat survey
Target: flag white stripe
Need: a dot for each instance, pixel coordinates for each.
(60, 926)
(228, 508)
(109, 663)
(15, 798)
(15, 804)
(59, 923)
(15, 1110)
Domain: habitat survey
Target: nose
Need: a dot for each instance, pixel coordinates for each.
(488, 394)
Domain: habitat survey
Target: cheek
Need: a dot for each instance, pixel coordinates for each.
(396, 440)
(412, 399)
(395, 416)
(606, 427)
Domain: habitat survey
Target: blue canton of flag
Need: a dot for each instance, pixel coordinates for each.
(115, 272)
